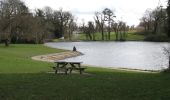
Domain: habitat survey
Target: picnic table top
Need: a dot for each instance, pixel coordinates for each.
(68, 62)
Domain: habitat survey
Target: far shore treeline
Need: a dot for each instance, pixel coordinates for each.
(18, 24)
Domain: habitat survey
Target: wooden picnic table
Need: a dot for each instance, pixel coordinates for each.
(62, 65)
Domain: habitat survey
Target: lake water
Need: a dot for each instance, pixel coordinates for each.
(133, 55)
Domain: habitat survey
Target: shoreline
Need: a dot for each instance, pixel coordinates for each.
(125, 69)
(69, 54)
(56, 56)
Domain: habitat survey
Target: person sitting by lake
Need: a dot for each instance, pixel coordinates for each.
(74, 48)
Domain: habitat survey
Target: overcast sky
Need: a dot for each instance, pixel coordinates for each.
(129, 11)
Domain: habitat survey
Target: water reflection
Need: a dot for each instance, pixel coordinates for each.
(135, 55)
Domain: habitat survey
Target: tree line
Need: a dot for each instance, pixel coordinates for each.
(154, 20)
(156, 23)
(19, 25)
(104, 23)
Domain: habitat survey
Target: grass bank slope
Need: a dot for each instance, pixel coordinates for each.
(130, 36)
(17, 58)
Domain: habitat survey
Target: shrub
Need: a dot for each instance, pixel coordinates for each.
(157, 38)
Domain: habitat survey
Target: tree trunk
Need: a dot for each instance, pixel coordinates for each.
(169, 63)
(6, 42)
(116, 33)
(89, 34)
(109, 34)
(109, 30)
(86, 36)
(94, 39)
(121, 36)
(155, 27)
(102, 34)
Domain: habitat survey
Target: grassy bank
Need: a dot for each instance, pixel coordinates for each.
(17, 58)
(24, 79)
(130, 36)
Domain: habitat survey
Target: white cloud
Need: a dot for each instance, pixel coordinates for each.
(128, 10)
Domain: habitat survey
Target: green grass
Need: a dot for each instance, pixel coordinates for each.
(17, 58)
(135, 36)
(24, 79)
(131, 36)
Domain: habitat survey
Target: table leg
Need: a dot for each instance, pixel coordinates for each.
(80, 71)
(66, 71)
(56, 69)
(71, 70)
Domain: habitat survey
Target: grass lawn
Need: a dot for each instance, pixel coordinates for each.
(24, 79)
(17, 58)
(131, 36)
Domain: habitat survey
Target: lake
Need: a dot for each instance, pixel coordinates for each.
(133, 55)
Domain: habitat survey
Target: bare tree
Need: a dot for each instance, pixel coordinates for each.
(48, 13)
(115, 28)
(71, 27)
(120, 30)
(99, 18)
(108, 16)
(90, 30)
(154, 20)
(146, 20)
(10, 13)
(63, 18)
(39, 26)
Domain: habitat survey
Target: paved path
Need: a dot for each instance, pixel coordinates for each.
(56, 56)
